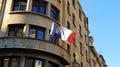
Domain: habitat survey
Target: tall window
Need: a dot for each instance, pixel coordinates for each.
(80, 15)
(51, 64)
(54, 13)
(86, 23)
(81, 64)
(16, 30)
(68, 25)
(31, 62)
(87, 56)
(68, 48)
(73, 2)
(68, 7)
(86, 40)
(93, 63)
(39, 6)
(73, 20)
(36, 32)
(19, 5)
(9, 62)
(81, 49)
(74, 41)
(74, 57)
(80, 30)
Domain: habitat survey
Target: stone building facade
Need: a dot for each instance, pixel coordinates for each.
(25, 40)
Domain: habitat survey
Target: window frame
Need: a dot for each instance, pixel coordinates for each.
(80, 15)
(54, 13)
(38, 5)
(73, 20)
(74, 41)
(33, 61)
(68, 25)
(10, 61)
(54, 39)
(36, 28)
(68, 8)
(80, 30)
(68, 48)
(14, 28)
(19, 4)
(81, 49)
(73, 3)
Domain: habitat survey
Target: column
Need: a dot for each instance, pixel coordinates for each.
(48, 9)
(47, 34)
(22, 61)
(29, 5)
(26, 30)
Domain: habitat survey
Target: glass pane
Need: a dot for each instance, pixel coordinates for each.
(29, 63)
(42, 9)
(57, 16)
(35, 9)
(40, 35)
(6, 62)
(52, 14)
(22, 7)
(51, 64)
(11, 32)
(38, 63)
(15, 8)
(32, 33)
(14, 62)
(19, 32)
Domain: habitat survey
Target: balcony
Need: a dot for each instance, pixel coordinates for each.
(35, 44)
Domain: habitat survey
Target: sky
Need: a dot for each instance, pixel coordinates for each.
(104, 26)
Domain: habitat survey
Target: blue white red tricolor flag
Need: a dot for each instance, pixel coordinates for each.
(53, 29)
(66, 35)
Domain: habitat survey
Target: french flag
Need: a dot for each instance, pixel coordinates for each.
(53, 29)
(66, 35)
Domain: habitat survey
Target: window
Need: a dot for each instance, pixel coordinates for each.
(54, 39)
(81, 50)
(54, 13)
(39, 6)
(85, 23)
(74, 41)
(51, 64)
(73, 20)
(86, 39)
(93, 63)
(19, 5)
(87, 59)
(68, 7)
(31, 62)
(80, 15)
(16, 30)
(9, 62)
(68, 48)
(68, 25)
(74, 57)
(36, 32)
(81, 64)
(80, 30)
(73, 2)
